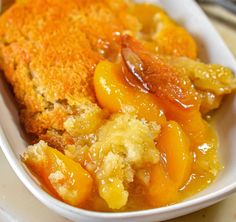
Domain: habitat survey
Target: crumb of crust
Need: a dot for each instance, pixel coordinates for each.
(123, 145)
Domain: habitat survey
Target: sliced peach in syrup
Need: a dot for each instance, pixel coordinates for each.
(63, 177)
(174, 145)
(173, 90)
(172, 173)
(114, 94)
(161, 190)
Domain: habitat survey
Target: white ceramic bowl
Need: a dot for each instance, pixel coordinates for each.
(212, 49)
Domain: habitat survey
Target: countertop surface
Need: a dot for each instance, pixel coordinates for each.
(18, 204)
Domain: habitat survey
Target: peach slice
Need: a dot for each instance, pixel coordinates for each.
(161, 190)
(64, 177)
(173, 90)
(175, 146)
(114, 94)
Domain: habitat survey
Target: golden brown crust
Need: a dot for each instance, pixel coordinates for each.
(48, 51)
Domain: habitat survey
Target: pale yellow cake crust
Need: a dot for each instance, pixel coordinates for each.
(48, 52)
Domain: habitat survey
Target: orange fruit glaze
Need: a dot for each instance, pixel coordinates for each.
(189, 162)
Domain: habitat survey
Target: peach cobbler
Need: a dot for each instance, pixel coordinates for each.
(115, 101)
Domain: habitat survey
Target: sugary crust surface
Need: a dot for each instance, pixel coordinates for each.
(48, 52)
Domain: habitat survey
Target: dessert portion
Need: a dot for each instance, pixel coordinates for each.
(114, 98)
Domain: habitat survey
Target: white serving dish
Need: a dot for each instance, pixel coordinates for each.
(212, 49)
